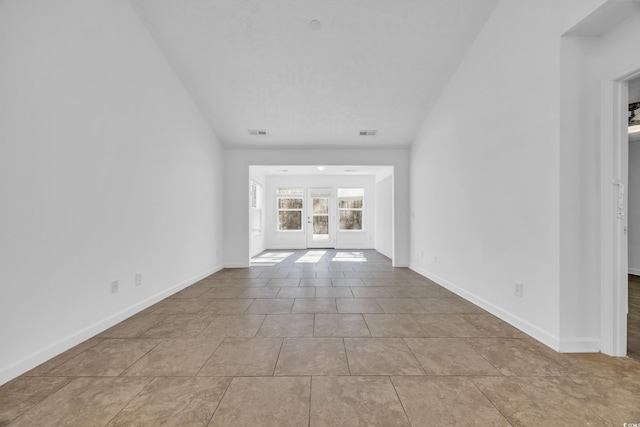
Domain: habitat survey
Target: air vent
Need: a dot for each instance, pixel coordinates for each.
(368, 132)
(261, 132)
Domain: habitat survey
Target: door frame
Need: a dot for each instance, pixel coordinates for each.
(330, 193)
(614, 178)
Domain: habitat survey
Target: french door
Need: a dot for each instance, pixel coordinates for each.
(321, 218)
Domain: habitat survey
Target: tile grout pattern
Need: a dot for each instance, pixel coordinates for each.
(318, 338)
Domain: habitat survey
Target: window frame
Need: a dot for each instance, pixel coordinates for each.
(280, 196)
(362, 209)
(256, 210)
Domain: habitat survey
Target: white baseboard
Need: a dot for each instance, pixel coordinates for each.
(388, 255)
(579, 345)
(258, 251)
(31, 361)
(564, 345)
(634, 271)
(541, 335)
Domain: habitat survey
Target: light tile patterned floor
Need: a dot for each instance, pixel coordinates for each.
(344, 340)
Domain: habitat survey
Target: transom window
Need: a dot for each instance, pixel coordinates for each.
(350, 208)
(290, 207)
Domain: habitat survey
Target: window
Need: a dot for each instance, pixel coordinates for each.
(290, 204)
(350, 208)
(255, 204)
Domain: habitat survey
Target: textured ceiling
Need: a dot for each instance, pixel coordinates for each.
(259, 64)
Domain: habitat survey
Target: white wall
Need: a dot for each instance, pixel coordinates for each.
(587, 62)
(236, 177)
(634, 208)
(257, 242)
(384, 216)
(106, 169)
(485, 180)
(344, 239)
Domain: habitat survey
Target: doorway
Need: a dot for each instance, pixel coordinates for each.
(321, 218)
(633, 220)
(615, 214)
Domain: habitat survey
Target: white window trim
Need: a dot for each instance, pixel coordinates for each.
(362, 209)
(301, 210)
(256, 210)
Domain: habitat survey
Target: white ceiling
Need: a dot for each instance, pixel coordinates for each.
(259, 64)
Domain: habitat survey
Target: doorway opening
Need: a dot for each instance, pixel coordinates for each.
(341, 207)
(321, 218)
(633, 220)
(617, 215)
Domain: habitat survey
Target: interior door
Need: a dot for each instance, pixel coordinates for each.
(321, 218)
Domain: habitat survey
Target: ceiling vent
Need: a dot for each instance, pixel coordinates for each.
(368, 132)
(261, 132)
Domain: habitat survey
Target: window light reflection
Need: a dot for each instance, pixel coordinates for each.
(311, 257)
(270, 258)
(350, 257)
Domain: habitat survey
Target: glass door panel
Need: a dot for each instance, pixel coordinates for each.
(320, 220)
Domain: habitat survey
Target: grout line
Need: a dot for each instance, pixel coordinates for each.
(260, 327)
(210, 356)
(313, 330)
(470, 379)
(246, 309)
(138, 359)
(221, 399)
(346, 355)
(404, 340)
(273, 374)
(366, 324)
(132, 399)
(400, 400)
(310, 395)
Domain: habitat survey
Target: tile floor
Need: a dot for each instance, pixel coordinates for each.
(633, 318)
(320, 338)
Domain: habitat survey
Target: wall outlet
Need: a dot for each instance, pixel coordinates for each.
(435, 259)
(114, 286)
(517, 289)
(138, 279)
(422, 254)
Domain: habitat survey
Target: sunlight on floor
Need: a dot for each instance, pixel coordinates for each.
(270, 258)
(350, 257)
(311, 257)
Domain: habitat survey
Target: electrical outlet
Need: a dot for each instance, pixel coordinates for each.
(138, 279)
(435, 259)
(114, 286)
(517, 289)
(422, 254)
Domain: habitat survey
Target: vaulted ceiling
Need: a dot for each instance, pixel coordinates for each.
(314, 73)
